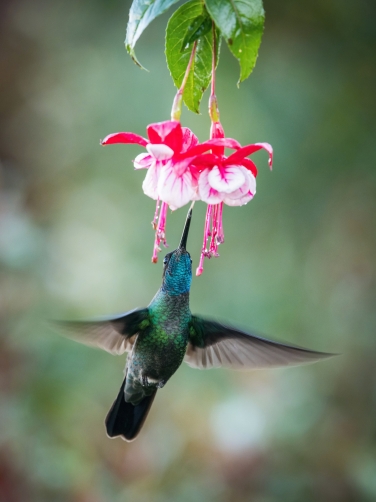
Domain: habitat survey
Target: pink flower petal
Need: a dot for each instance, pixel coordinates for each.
(226, 179)
(143, 161)
(124, 137)
(176, 189)
(251, 166)
(242, 201)
(180, 166)
(243, 194)
(206, 160)
(150, 184)
(189, 139)
(206, 192)
(160, 151)
(216, 131)
(168, 132)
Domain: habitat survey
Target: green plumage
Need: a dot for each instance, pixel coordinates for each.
(160, 346)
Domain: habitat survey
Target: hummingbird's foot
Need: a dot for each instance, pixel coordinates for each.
(145, 381)
(148, 381)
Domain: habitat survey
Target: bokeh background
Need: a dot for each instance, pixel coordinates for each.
(298, 263)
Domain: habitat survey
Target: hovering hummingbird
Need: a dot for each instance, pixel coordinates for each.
(163, 335)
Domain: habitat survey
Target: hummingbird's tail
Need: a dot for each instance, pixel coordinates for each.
(126, 419)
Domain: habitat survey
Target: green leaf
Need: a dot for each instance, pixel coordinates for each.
(241, 22)
(141, 14)
(178, 55)
(199, 27)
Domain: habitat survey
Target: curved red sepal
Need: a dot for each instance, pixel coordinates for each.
(248, 150)
(204, 161)
(225, 142)
(207, 145)
(168, 132)
(124, 137)
(250, 165)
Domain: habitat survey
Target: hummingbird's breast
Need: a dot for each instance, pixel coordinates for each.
(160, 349)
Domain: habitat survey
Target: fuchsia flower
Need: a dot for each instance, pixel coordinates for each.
(180, 169)
(168, 177)
(224, 180)
(171, 177)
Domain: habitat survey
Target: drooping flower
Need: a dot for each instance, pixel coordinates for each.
(171, 179)
(232, 179)
(224, 180)
(168, 143)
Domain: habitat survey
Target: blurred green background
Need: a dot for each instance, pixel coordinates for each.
(298, 262)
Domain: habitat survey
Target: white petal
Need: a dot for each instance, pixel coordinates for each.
(243, 194)
(189, 139)
(196, 195)
(175, 189)
(160, 151)
(149, 186)
(143, 161)
(238, 202)
(226, 179)
(249, 185)
(206, 192)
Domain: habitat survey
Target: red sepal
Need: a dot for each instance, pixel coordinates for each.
(216, 131)
(207, 160)
(124, 137)
(237, 157)
(225, 142)
(168, 132)
(251, 166)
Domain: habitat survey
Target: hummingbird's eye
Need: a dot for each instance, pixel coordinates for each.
(165, 261)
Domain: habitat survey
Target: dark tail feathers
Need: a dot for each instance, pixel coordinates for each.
(125, 419)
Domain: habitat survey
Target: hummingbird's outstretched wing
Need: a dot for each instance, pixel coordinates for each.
(214, 345)
(114, 335)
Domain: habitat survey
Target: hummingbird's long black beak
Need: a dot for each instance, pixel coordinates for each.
(184, 237)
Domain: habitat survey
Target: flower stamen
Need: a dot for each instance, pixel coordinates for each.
(160, 232)
(155, 219)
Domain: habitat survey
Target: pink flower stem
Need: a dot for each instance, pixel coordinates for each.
(160, 235)
(213, 60)
(213, 104)
(178, 100)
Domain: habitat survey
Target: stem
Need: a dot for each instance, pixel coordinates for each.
(193, 53)
(213, 104)
(178, 100)
(213, 60)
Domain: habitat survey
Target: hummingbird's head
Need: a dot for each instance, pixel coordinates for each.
(177, 266)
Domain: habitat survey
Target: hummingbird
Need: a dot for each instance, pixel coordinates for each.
(160, 337)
